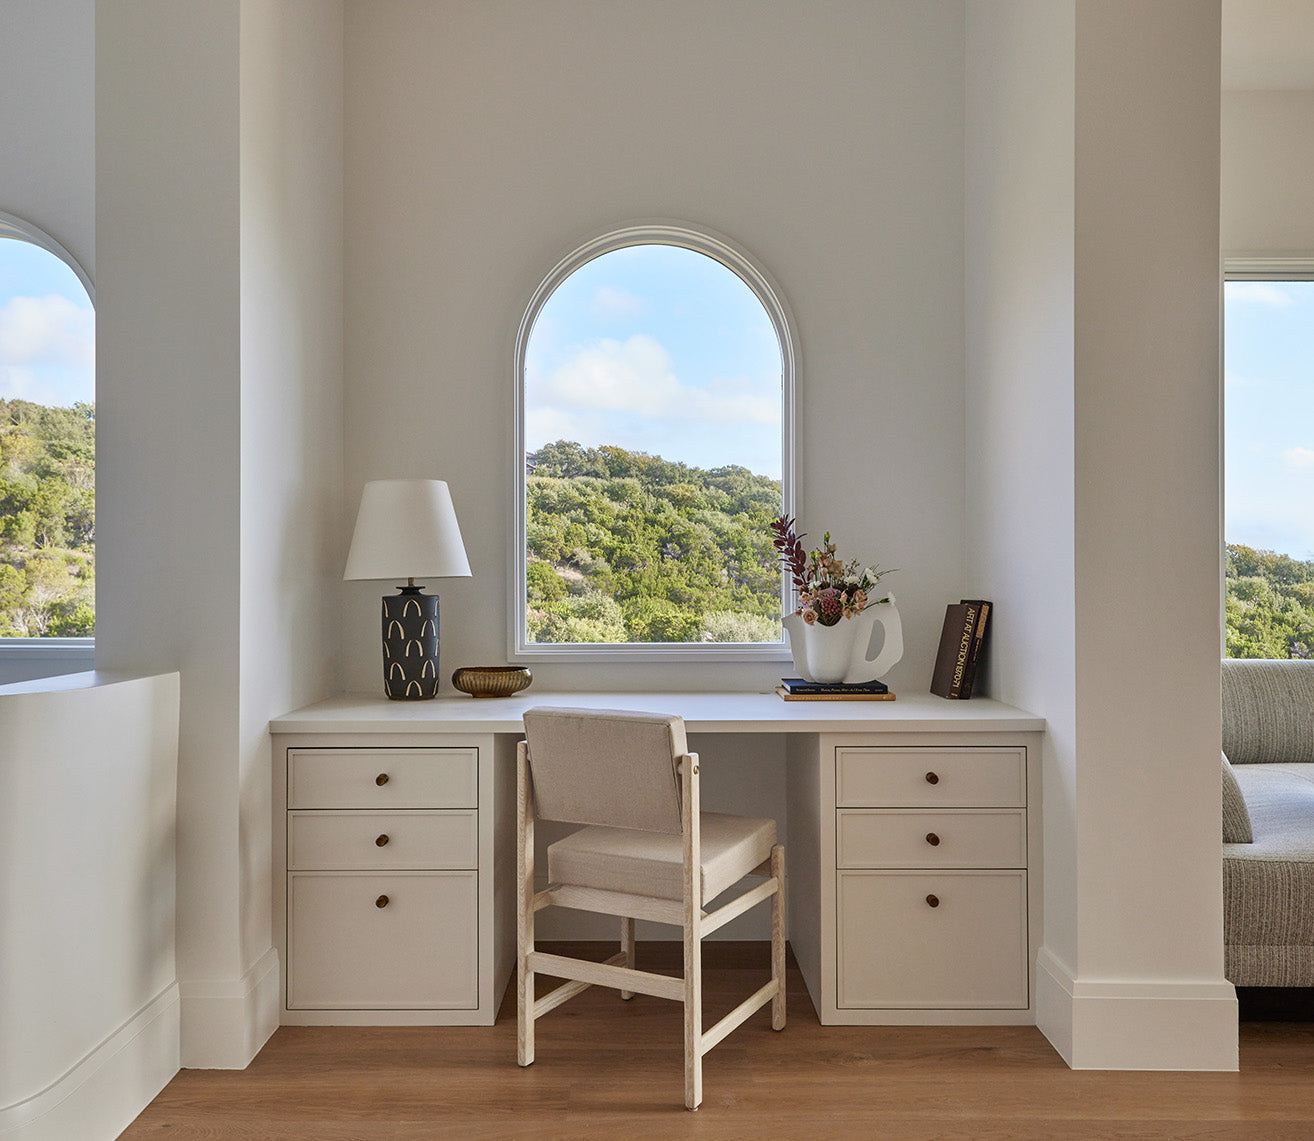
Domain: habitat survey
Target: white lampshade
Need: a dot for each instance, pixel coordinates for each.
(406, 528)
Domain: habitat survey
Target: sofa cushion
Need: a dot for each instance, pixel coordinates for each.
(1268, 885)
(1268, 711)
(1236, 818)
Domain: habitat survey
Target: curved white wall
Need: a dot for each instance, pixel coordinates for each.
(88, 993)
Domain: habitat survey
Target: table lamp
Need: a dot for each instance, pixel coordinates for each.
(406, 528)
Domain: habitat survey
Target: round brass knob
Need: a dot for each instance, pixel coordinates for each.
(932, 839)
(382, 840)
(382, 901)
(381, 779)
(932, 778)
(933, 901)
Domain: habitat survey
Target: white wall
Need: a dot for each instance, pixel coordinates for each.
(1020, 375)
(48, 120)
(1268, 169)
(291, 398)
(47, 132)
(220, 433)
(88, 987)
(1094, 323)
(1149, 910)
(484, 141)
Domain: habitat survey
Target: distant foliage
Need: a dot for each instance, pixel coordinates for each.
(628, 547)
(47, 520)
(1270, 605)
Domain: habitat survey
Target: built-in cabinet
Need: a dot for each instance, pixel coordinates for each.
(911, 835)
(924, 865)
(392, 904)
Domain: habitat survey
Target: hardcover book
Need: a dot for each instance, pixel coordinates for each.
(798, 685)
(951, 661)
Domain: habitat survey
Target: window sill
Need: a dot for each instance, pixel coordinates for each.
(651, 652)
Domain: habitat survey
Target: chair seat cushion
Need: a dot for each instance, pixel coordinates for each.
(651, 863)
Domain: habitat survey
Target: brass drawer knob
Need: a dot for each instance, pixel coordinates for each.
(382, 840)
(932, 778)
(932, 901)
(932, 839)
(381, 779)
(382, 901)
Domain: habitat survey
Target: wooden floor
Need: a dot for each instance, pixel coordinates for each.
(613, 1069)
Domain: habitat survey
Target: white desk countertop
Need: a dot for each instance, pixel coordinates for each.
(702, 712)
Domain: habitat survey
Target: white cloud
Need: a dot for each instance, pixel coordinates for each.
(611, 303)
(635, 376)
(47, 350)
(1299, 459)
(626, 393)
(47, 330)
(1265, 293)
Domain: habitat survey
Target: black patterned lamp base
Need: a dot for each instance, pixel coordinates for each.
(410, 645)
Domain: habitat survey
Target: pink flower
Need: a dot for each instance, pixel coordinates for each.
(809, 616)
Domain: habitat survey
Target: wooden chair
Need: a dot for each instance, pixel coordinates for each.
(646, 852)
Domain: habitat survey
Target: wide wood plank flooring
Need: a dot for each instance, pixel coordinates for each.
(611, 1068)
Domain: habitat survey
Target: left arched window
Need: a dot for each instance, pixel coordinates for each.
(47, 452)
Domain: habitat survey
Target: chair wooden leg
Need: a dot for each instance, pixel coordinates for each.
(627, 948)
(778, 938)
(690, 809)
(693, 1020)
(524, 910)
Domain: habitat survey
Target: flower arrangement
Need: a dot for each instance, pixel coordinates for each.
(828, 589)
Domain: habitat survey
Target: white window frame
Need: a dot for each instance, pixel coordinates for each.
(735, 259)
(45, 657)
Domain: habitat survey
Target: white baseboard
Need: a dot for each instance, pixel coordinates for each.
(225, 1022)
(101, 1095)
(1135, 1025)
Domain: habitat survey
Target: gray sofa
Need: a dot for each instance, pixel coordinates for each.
(1268, 823)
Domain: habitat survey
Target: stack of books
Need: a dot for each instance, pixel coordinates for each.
(796, 689)
(962, 646)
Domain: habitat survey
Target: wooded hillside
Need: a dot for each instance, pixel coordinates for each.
(1270, 605)
(628, 547)
(47, 520)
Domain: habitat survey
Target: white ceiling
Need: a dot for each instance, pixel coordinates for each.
(1268, 45)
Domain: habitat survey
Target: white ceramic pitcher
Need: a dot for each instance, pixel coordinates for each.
(839, 653)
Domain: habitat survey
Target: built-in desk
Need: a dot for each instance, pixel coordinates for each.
(912, 831)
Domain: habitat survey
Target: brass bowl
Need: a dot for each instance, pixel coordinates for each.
(491, 681)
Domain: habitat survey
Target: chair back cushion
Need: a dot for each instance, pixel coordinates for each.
(1268, 711)
(611, 767)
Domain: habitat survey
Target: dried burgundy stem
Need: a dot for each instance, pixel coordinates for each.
(791, 550)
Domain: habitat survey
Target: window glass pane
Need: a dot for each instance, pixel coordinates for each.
(653, 447)
(1269, 479)
(47, 446)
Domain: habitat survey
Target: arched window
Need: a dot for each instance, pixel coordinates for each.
(654, 439)
(47, 448)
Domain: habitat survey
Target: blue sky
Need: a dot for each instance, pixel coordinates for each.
(1269, 416)
(47, 329)
(657, 349)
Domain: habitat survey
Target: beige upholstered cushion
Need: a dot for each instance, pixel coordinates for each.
(1268, 711)
(1236, 818)
(651, 863)
(609, 767)
(1268, 885)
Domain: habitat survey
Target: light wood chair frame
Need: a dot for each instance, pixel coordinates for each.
(619, 971)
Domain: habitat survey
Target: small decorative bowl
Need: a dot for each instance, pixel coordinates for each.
(491, 681)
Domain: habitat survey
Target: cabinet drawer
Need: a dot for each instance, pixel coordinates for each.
(911, 838)
(895, 950)
(931, 778)
(366, 841)
(417, 952)
(383, 778)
